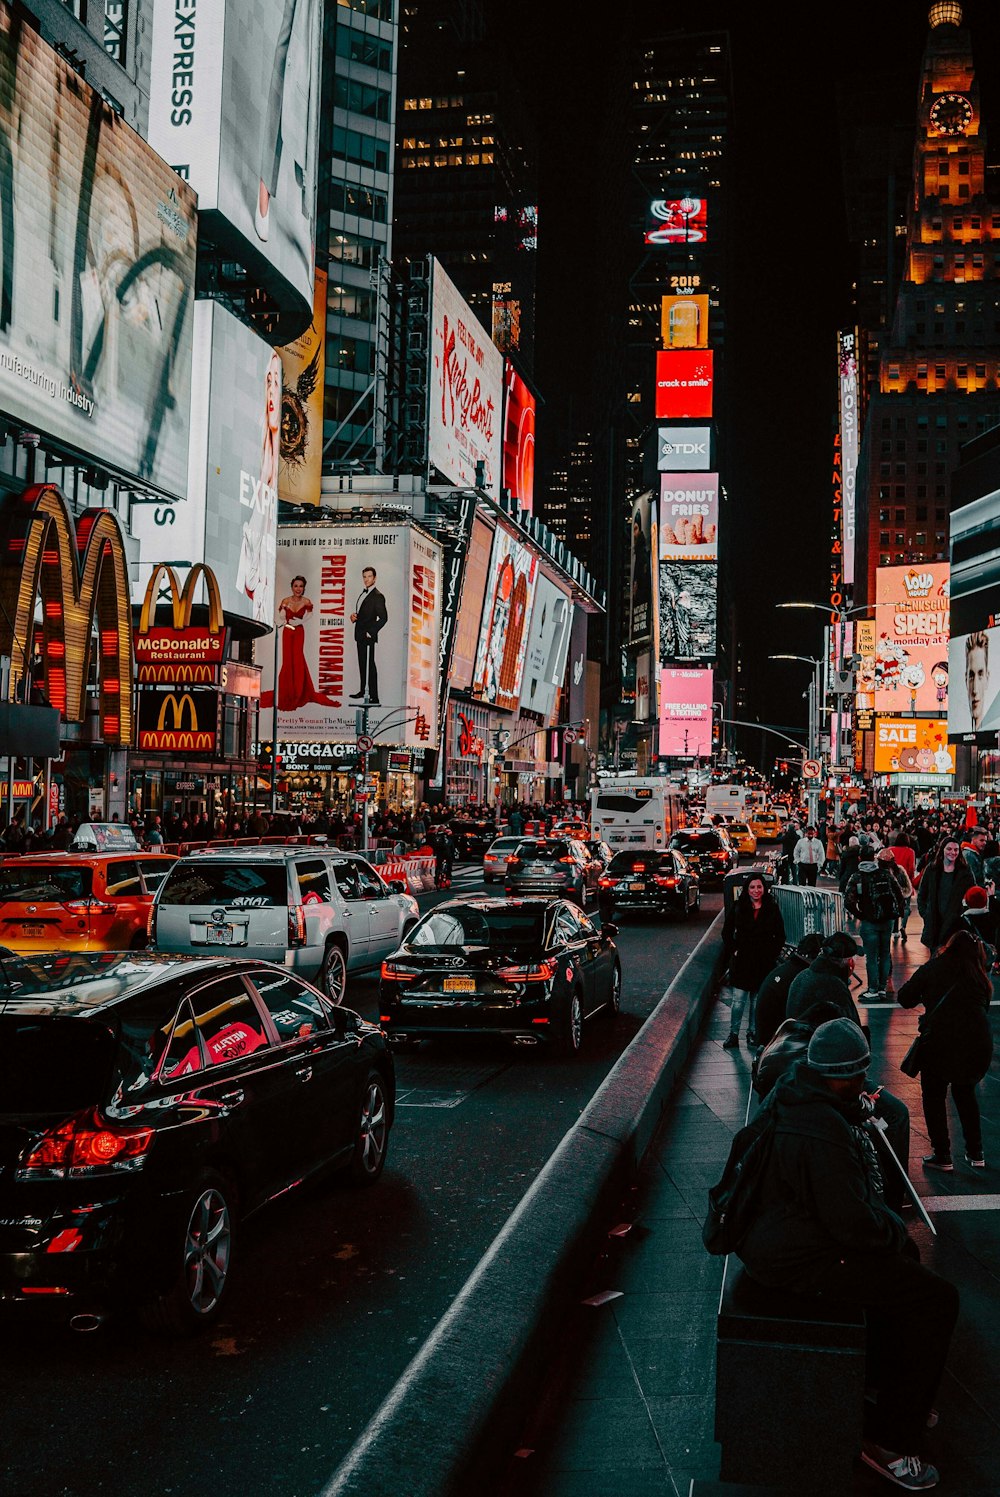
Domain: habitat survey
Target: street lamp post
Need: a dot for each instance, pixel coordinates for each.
(812, 794)
(840, 615)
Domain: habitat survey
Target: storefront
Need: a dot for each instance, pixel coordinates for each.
(467, 754)
(315, 778)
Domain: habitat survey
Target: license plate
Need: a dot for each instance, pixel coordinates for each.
(637, 888)
(458, 985)
(220, 935)
(32, 930)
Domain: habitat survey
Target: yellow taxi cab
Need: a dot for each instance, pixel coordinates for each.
(572, 826)
(766, 826)
(742, 838)
(79, 901)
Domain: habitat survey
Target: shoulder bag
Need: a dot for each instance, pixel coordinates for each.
(916, 1054)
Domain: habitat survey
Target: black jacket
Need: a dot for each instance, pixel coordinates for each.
(371, 616)
(824, 979)
(937, 926)
(772, 996)
(818, 1196)
(752, 945)
(959, 1043)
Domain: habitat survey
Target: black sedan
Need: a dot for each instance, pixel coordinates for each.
(708, 850)
(148, 1104)
(527, 970)
(649, 879)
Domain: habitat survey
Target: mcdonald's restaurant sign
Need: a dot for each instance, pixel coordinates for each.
(74, 577)
(179, 721)
(180, 654)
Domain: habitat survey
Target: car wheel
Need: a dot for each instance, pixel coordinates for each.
(615, 996)
(371, 1139)
(333, 974)
(201, 1260)
(571, 1025)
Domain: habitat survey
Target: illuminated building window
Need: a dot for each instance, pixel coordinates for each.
(409, 103)
(487, 158)
(894, 371)
(920, 539)
(963, 371)
(440, 161)
(884, 559)
(426, 104)
(472, 159)
(883, 515)
(980, 371)
(922, 371)
(977, 262)
(939, 372)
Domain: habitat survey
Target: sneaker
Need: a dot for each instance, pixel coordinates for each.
(870, 995)
(732, 1043)
(907, 1471)
(903, 936)
(976, 1160)
(937, 1162)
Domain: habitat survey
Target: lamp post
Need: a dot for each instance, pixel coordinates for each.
(812, 794)
(839, 616)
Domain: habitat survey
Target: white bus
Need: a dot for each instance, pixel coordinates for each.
(635, 811)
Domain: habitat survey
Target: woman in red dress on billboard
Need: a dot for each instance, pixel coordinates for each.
(295, 683)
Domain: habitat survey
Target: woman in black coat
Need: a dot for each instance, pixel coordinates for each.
(955, 991)
(943, 885)
(752, 937)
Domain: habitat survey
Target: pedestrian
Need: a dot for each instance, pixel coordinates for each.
(789, 841)
(979, 918)
(874, 897)
(850, 857)
(943, 885)
(828, 976)
(752, 937)
(956, 1044)
(772, 995)
(808, 857)
(974, 852)
(822, 1228)
(905, 859)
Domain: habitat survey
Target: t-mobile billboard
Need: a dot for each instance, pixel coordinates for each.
(685, 712)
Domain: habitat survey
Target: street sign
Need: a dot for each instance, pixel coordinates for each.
(812, 769)
(365, 743)
(570, 735)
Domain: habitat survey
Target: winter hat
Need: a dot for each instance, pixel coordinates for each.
(884, 855)
(841, 945)
(838, 1049)
(976, 898)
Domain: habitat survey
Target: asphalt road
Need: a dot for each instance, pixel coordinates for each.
(334, 1289)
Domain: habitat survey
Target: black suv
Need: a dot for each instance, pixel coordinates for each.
(472, 837)
(149, 1103)
(708, 850)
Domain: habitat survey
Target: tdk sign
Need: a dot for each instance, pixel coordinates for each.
(684, 449)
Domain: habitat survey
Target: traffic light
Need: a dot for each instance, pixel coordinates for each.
(783, 766)
(716, 724)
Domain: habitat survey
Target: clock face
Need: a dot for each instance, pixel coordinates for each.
(951, 114)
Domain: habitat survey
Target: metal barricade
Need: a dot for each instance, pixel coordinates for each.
(805, 910)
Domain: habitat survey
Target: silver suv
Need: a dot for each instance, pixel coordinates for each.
(322, 914)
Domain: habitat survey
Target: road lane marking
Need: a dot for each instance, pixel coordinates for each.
(961, 1203)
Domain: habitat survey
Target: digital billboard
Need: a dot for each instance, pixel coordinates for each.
(683, 449)
(97, 277)
(642, 558)
(302, 365)
(470, 607)
(684, 383)
(503, 634)
(234, 108)
(689, 517)
(685, 712)
(974, 529)
(687, 598)
(847, 371)
(684, 321)
(548, 646)
(359, 608)
(974, 698)
(912, 745)
(465, 391)
(518, 438)
(864, 635)
(911, 648)
(672, 221)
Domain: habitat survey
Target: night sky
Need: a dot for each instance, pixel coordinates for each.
(791, 291)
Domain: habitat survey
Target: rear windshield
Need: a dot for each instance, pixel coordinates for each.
(696, 842)
(625, 862)
(53, 1065)
(37, 882)
(465, 925)
(232, 885)
(542, 852)
(626, 802)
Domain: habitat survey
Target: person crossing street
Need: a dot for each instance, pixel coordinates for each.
(808, 857)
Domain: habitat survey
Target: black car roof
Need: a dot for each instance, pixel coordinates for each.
(83, 983)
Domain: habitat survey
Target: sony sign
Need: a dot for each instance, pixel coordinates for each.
(683, 449)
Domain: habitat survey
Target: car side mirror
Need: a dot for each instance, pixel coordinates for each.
(397, 886)
(609, 929)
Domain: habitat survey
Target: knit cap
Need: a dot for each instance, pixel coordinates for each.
(976, 898)
(838, 1049)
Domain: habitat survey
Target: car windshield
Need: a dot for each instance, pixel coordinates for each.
(504, 844)
(697, 841)
(543, 852)
(37, 882)
(739, 827)
(232, 885)
(459, 926)
(628, 862)
(53, 1064)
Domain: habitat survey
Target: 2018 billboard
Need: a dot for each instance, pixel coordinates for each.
(689, 517)
(518, 438)
(912, 745)
(503, 635)
(97, 276)
(911, 651)
(466, 390)
(684, 383)
(548, 646)
(359, 611)
(974, 699)
(686, 712)
(643, 551)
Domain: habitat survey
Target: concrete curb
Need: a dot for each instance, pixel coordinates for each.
(446, 1425)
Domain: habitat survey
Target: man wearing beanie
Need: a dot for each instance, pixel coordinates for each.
(823, 1228)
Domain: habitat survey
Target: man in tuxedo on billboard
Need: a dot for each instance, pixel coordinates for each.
(368, 618)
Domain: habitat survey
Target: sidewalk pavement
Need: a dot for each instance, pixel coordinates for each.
(630, 1407)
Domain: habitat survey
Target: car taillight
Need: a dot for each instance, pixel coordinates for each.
(99, 907)
(84, 1146)
(567, 860)
(638, 868)
(605, 883)
(533, 972)
(151, 925)
(664, 883)
(296, 925)
(395, 972)
(513, 863)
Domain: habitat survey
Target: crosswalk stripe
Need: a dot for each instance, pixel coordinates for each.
(961, 1203)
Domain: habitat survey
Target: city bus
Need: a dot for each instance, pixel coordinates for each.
(635, 811)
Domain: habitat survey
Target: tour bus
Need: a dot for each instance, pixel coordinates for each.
(635, 811)
(737, 801)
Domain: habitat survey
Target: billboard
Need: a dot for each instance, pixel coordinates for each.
(684, 383)
(676, 221)
(911, 649)
(234, 107)
(689, 517)
(685, 712)
(466, 390)
(642, 551)
(97, 278)
(470, 608)
(687, 610)
(503, 635)
(548, 647)
(684, 321)
(359, 609)
(179, 720)
(974, 699)
(847, 371)
(301, 448)
(684, 449)
(518, 438)
(975, 564)
(864, 641)
(912, 745)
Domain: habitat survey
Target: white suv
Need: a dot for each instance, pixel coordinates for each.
(323, 914)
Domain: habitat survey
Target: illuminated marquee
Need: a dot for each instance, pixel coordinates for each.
(182, 722)
(184, 652)
(79, 575)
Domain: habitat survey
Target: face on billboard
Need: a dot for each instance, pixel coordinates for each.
(684, 449)
(676, 221)
(689, 517)
(865, 648)
(688, 592)
(518, 438)
(548, 643)
(358, 608)
(684, 321)
(642, 549)
(974, 699)
(911, 646)
(685, 712)
(684, 383)
(470, 608)
(506, 616)
(97, 275)
(466, 389)
(234, 106)
(912, 746)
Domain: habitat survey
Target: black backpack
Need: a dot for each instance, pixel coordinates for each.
(877, 896)
(732, 1202)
